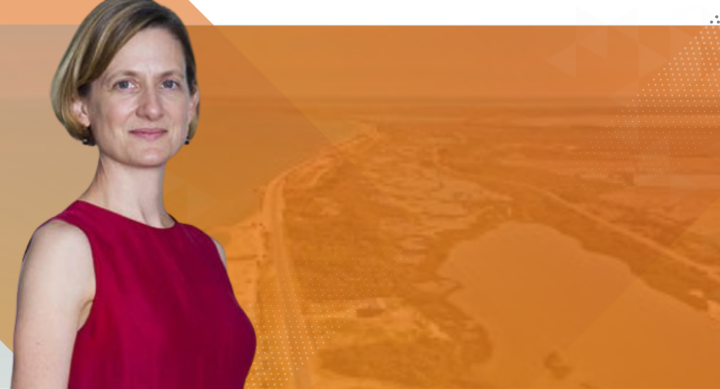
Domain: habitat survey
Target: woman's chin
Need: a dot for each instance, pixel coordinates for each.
(152, 159)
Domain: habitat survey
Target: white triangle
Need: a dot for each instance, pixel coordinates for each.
(692, 17)
(6, 366)
(629, 25)
(629, 19)
(584, 18)
(599, 14)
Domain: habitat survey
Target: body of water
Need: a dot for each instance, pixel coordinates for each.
(550, 305)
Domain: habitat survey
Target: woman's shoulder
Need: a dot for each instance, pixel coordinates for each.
(59, 240)
(57, 268)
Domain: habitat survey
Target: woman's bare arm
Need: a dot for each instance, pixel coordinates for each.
(56, 281)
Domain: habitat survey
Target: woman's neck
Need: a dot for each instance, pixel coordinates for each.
(130, 191)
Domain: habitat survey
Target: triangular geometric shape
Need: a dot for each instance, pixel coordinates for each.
(628, 24)
(678, 40)
(596, 42)
(633, 32)
(565, 60)
(188, 12)
(336, 131)
(172, 181)
(627, 94)
(690, 16)
(198, 201)
(584, 18)
(709, 221)
(6, 365)
(649, 60)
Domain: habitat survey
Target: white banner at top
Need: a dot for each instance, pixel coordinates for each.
(460, 12)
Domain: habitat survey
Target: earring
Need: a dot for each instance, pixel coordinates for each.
(187, 140)
(86, 139)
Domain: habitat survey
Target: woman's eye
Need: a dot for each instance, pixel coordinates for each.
(123, 84)
(171, 84)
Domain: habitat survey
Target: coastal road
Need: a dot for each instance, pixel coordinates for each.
(293, 328)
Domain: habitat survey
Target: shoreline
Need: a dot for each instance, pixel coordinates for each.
(247, 251)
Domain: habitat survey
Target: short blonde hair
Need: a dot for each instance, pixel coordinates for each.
(96, 42)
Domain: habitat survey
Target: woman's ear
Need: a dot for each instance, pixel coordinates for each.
(79, 109)
(194, 101)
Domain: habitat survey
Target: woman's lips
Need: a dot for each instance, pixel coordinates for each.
(149, 133)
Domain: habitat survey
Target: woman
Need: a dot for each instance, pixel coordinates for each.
(114, 292)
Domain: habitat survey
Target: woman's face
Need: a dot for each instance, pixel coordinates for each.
(140, 108)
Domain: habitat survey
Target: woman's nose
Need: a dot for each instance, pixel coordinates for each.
(150, 106)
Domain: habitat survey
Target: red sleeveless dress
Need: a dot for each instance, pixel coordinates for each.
(164, 314)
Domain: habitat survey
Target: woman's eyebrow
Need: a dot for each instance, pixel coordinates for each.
(173, 72)
(132, 73)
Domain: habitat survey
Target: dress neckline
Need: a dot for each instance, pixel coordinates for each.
(122, 217)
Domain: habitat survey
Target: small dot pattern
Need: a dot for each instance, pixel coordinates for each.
(670, 118)
(297, 311)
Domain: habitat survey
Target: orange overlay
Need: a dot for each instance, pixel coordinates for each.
(436, 207)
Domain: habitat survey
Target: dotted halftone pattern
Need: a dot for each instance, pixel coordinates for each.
(293, 321)
(670, 118)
